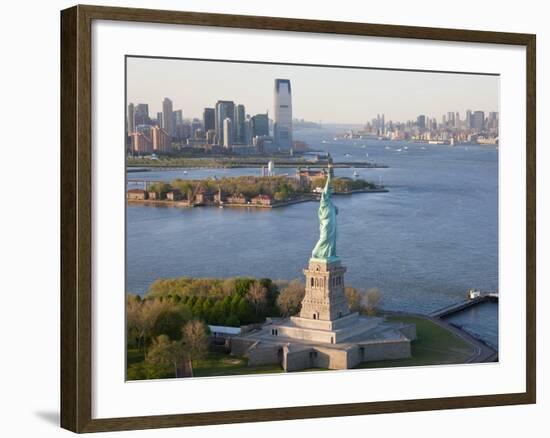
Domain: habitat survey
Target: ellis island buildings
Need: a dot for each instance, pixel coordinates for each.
(226, 126)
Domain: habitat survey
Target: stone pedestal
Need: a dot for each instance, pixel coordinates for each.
(324, 299)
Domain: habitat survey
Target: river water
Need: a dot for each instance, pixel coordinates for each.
(423, 244)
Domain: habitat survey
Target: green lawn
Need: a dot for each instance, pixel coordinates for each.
(133, 355)
(434, 346)
(222, 364)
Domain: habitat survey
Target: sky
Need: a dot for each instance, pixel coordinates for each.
(329, 95)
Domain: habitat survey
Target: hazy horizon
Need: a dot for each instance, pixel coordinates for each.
(327, 94)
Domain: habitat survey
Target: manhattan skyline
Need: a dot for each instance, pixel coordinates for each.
(329, 95)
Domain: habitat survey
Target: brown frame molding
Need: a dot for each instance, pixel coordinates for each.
(76, 174)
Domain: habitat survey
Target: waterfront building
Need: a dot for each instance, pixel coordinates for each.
(141, 114)
(227, 133)
(211, 137)
(308, 176)
(130, 121)
(421, 122)
(225, 109)
(492, 121)
(236, 199)
(262, 200)
(177, 118)
(478, 121)
(259, 125)
(240, 125)
(209, 119)
(137, 194)
(259, 143)
(326, 333)
(141, 143)
(167, 116)
(174, 195)
(451, 119)
(162, 142)
(282, 124)
(196, 125)
(156, 196)
(469, 119)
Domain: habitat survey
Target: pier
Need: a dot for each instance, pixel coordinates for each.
(475, 297)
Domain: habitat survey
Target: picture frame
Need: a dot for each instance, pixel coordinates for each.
(77, 168)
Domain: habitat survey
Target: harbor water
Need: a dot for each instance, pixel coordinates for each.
(423, 244)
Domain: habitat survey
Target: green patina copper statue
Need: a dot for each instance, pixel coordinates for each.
(325, 249)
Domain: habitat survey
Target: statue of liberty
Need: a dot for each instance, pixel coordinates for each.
(326, 246)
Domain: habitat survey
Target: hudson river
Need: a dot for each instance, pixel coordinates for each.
(423, 244)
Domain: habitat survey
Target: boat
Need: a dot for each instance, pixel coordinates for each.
(347, 155)
(355, 174)
(387, 147)
(406, 147)
(398, 150)
(423, 148)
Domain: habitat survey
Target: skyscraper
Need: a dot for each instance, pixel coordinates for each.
(259, 125)
(282, 125)
(469, 119)
(177, 118)
(421, 122)
(141, 114)
(492, 120)
(451, 119)
(160, 140)
(478, 121)
(209, 119)
(225, 109)
(240, 127)
(167, 110)
(227, 133)
(160, 123)
(131, 125)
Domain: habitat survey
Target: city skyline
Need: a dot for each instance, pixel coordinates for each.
(329, 95)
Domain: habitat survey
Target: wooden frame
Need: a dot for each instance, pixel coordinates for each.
(76, 177)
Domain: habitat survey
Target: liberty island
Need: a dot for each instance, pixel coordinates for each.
(326, 334)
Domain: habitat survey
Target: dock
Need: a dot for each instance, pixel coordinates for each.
(475, 297)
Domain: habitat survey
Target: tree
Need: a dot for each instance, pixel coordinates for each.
(257, 297)
(232, 321)
(168, 322)
(373, 298)
(165, 356)
(142, 317)
(133, 319)
(245, 313)
(195, 339)
(228, 286)
(290, 299)
(242, 285)
(355, 298)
